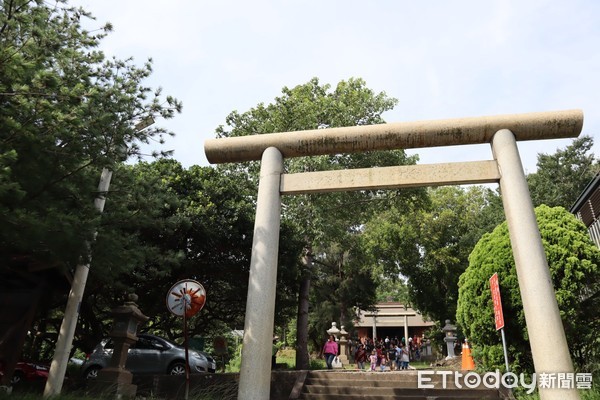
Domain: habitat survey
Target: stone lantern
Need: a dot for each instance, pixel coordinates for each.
(343, 342)
(333, 330)
(450, 338)
(115, 377)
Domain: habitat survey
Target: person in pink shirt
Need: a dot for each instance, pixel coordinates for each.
(330, 350)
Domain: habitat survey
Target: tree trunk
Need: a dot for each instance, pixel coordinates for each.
(343, 320)
(302, 358)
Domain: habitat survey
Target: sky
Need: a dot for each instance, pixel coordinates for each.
(440, 59)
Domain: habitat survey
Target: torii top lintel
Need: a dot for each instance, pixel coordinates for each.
(400, 135)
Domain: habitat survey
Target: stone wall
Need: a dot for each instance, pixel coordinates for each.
(221, 386)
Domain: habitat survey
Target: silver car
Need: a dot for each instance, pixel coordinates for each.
(149, 355)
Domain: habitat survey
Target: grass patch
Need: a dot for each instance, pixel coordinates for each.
(286, 359)
(420, 364)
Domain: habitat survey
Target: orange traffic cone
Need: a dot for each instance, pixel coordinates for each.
(467, 359)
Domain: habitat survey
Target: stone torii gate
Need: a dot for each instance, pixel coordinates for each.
(546, 333)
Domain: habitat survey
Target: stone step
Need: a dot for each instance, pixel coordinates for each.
(337, 385)
(395, 375)
(403, 378)
(391, 392)
(365, 382)
(370, 397)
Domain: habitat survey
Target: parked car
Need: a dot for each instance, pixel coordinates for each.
(75, 361)
(27, 372)
(149, 355)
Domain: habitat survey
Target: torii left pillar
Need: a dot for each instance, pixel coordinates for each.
(255, 372)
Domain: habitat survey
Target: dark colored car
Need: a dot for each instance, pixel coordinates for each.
(27, 372)
(149, 355)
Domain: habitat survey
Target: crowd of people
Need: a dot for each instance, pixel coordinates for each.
(393, 354)
(377, 354)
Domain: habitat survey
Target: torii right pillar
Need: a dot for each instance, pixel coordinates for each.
(544, 325)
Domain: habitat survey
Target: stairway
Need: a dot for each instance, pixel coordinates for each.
(402, 385)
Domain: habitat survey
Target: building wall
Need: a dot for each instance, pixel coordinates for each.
(587, 208)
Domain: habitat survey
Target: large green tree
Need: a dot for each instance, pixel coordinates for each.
(574, 263)
(134, 248)
(430, 246)
(194, 223)
(327, 224)
(561, 177)
(395, 290)
(66, 112)
(215, 243)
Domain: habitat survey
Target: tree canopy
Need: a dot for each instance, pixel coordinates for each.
(430, 246)
(66, 111)
(164, 223)
(562, 176)
(574, 263)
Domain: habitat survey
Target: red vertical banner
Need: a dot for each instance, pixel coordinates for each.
(495, 288)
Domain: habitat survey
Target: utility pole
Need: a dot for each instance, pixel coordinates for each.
(58, 367)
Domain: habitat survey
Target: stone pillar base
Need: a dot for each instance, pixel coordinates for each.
(114, 382)
(119, 390)
(109, 389)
